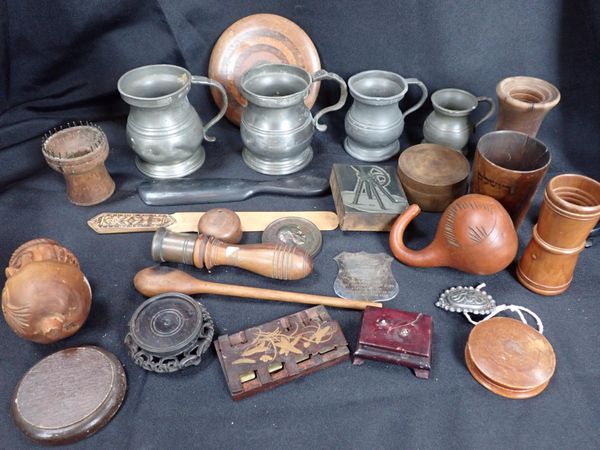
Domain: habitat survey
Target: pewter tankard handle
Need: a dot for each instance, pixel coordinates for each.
(424, 94)
(208, 82)
(490, 112)
(324, 75)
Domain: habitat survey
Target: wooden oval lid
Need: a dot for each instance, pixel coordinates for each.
(509, 357)
(254, 40)
(433, 165)
(69, 395)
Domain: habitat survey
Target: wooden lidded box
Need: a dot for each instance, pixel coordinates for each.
(510, 358)
(367, 197)
(433, 176)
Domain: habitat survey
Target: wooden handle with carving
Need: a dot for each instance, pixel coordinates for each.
(279, 261)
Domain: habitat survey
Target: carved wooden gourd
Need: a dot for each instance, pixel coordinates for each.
(46, 297)
(474, 235)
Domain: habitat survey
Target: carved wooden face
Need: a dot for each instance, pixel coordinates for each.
(39, 250)
(45, 301)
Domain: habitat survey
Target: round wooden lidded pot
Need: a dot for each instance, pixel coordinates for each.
(510, 358)
(432, 175)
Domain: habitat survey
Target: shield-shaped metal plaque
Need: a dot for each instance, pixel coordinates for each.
(365, 276)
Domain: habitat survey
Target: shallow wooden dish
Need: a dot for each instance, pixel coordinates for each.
(255, 40)
(69, 395)
(433, 176)
(510, 358)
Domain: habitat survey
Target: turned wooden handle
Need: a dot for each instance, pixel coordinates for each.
(270, 260)
(160, 279)
(279, 261)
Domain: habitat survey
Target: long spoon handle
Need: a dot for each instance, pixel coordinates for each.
(157, 280)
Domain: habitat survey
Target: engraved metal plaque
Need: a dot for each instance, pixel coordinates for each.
(365, 276)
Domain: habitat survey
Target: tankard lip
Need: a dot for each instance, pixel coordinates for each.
(143, 100)
(548, 90)
(483, 141)
(377, 100)
(453, 112)
(272, 100)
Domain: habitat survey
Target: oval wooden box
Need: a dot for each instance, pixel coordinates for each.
(433, 176)
(510, 358)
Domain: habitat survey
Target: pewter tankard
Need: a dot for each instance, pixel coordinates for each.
(276, 125)
(374, 122)
(450, 123)
(163, 128)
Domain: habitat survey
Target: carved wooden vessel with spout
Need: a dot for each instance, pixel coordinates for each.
(474, 235)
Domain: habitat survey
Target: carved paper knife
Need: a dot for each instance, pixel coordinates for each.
(109, 222)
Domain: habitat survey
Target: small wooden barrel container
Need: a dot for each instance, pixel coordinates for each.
(433, 176)
(510, 358)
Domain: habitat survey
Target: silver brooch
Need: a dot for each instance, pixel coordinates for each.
(466, 299)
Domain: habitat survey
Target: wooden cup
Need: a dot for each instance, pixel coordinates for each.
(570, 210)
(509, 166)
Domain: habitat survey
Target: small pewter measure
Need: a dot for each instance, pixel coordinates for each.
(374, 122)
(450, 123)
(163, 128)
(276, 125)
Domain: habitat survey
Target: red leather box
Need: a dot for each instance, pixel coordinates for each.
(396, 337)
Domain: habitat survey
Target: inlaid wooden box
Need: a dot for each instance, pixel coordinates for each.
(263, 357)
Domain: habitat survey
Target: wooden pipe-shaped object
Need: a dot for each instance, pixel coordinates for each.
(279, 261)
(160, 279)
(475, 235)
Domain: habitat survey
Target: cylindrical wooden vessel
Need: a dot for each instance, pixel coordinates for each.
(570, 210)
(510, 166)
(524, 103)
(79, 153)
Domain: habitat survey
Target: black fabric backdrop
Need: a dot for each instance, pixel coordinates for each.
(60, 61)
